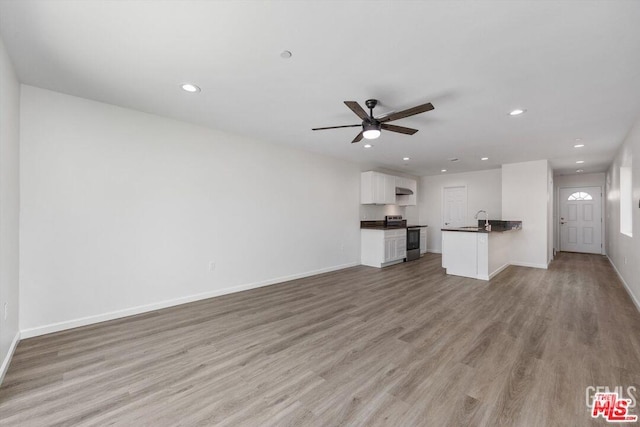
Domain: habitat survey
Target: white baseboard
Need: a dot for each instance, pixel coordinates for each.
(529, 264)
(89, 320)
(7, 359)
(434, 250)
(491, 275)
(498, 270)
(626, 286)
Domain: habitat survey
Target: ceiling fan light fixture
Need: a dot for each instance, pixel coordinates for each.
(370, 130)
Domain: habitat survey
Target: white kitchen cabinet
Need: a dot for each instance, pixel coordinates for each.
(395, 245)
(377, 188)
(401, 247)
(389, 249)
(423, 240)
(380, 189)
(380, 248)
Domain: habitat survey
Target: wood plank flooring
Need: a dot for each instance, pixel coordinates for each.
(403, 346)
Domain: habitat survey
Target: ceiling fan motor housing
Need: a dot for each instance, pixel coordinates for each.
(371, 130)
(372, 125)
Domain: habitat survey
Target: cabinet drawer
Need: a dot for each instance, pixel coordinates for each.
(395, 233)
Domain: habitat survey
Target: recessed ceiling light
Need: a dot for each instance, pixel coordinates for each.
(368, 145)
(286, 54)
(580, 170)
(580, 162)
(578, 146)
(188, 87)
(517, 112)
(405, 158)
(443, 170)
(484, 158)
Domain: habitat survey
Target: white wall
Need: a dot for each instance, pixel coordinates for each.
(619, 246)
(526, 195)
(484, 191)
(577, 180)
(123, 211)
(378, 212)
(9, 207)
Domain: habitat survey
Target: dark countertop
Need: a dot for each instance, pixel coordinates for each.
(380, 225)
(481, 230)
(465, 229)
(497, 226)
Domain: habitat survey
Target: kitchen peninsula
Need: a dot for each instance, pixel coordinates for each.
(476, 252)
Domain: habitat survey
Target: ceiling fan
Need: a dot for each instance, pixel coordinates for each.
(371, 126)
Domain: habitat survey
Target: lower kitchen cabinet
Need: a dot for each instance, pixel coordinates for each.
(423, 240)
(380, 248)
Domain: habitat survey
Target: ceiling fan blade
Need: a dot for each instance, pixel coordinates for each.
(356, 108)
(406, 113)
(358, 138)
(399, 129)
(337, 127)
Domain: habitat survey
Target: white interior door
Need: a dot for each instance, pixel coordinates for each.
(581, 220)
(454, 206)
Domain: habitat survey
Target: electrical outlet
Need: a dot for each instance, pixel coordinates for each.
(212, 265)
(6, 310)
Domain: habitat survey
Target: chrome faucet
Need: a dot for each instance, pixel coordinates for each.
(486, 221)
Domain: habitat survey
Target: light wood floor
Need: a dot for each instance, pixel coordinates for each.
(402, 346)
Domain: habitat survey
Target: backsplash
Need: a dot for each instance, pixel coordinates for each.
(378, 212)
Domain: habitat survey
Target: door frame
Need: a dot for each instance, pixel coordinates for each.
(466, 202)
(602, 214)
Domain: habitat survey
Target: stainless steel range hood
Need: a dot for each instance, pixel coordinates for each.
(401, 191)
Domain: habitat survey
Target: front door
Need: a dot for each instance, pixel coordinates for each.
(581, 220)
(454, 206)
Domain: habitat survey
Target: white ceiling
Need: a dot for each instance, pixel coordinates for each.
(573, 65)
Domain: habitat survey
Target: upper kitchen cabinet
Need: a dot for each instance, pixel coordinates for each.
(381, 189)
(377, 188)
(406, 190)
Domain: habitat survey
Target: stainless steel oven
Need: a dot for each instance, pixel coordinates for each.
(413, 244)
